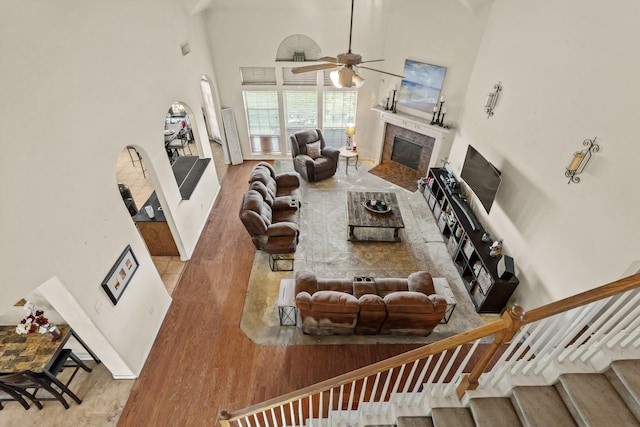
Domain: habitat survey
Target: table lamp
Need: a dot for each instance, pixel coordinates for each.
(350, 131)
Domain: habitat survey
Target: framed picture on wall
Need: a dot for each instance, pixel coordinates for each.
(120, 275)
(421, 85)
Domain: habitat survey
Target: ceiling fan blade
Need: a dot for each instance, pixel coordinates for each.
(329, 59)
(317, 67)
(372, 60)
(380, 71)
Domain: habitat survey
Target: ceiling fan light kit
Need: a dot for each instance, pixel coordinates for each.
(346, 77)
(357, 80)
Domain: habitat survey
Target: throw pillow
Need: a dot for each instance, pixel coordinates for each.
(313, 150)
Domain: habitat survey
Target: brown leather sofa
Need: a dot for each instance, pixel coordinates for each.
(270, 209)
(366, 306)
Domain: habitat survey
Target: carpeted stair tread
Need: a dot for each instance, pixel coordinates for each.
(415, 422)
(494, 412)
(452, 417)
(593, 401)
(541, 406)
(624, 376)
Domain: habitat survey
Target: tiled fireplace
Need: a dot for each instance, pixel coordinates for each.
(408, 148)
(419, 145)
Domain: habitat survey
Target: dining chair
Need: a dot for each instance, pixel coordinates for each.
(138, 158)
(8, 394)
(66, 359)
(26, 383)
(181, 142)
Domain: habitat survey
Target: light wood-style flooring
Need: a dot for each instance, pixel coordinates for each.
(201, 361)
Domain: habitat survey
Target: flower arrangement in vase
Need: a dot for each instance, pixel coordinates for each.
(34, 321)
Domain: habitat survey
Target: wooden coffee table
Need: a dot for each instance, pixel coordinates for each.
(359, 216)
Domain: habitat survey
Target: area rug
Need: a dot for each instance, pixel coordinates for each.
(325, 250)
(398, 174)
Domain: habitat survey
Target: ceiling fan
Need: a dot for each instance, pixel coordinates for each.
(345, 76)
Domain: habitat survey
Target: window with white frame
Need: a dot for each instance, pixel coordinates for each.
(311, 105)
(300, 110)
(339, 108)
(263, 120)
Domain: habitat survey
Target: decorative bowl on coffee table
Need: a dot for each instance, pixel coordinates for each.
(377, 206)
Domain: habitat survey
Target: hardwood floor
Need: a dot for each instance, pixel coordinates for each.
(201, 361)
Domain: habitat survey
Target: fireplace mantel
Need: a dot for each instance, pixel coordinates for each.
(442, 136)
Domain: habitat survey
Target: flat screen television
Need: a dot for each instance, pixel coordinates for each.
(481, 176)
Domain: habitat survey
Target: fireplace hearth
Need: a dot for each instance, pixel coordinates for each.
(434, 143)
(407, 149)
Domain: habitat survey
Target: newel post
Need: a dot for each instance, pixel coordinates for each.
(512, 319)
(223, 418)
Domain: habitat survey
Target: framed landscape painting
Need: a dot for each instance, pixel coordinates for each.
(421, 85)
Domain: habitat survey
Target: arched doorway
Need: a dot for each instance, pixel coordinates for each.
(179, 138)
(136, 189)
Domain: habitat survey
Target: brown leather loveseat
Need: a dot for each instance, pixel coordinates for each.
(269, 209)
(368, 306)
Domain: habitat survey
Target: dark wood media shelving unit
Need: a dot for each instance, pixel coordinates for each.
(479, 271)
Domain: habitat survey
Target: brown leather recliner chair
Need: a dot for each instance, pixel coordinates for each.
(312, 167)
(270, 209)
(413, 307)
(327, 306)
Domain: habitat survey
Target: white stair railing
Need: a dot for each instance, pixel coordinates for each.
(576, 335)
(574, 330)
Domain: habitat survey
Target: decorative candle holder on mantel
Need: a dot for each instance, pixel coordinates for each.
(391, 101)
(439, 111)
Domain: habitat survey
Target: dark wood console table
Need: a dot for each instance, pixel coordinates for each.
(489, 292)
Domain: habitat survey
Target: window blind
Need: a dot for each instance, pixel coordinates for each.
(258, 75)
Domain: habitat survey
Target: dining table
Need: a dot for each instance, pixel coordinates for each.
(36, 352)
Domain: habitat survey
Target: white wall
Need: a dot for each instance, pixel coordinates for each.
(248, 33)
(569, 72)
(86, 79)
(435, 32)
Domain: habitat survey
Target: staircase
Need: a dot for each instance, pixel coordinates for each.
(610, 399)
(574, 362)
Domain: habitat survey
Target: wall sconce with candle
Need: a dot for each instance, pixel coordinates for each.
(350, 131)
(580, 160)
(492, 99)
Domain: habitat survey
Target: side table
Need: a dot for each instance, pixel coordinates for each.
(347, 154)
(287, 309)
(442, 287)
